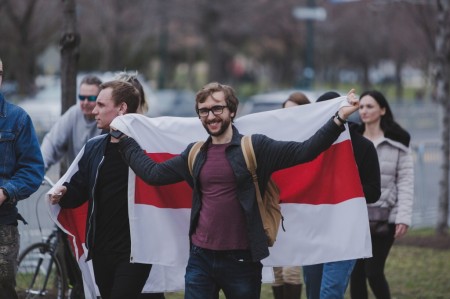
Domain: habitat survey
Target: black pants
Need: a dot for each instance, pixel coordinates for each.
(372, 269)
(117, 278)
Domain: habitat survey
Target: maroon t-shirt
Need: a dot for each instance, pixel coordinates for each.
(221, 224)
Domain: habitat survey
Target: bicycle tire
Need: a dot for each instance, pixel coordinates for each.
(34, 262)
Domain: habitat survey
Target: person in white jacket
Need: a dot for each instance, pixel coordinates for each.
(397, 190)
(75, 127)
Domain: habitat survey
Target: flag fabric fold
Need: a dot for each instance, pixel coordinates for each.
(323, 205)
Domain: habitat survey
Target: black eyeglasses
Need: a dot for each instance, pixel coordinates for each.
(89, 98)
(216, 110)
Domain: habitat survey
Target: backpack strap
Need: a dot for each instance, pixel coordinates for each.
(249, 154)
(250, 160)
(195, 149)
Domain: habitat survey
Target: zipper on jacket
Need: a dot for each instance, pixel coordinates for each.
(93, 205)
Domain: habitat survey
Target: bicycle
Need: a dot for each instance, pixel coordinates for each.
(48, 269)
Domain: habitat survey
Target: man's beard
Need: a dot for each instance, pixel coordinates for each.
(224, 124)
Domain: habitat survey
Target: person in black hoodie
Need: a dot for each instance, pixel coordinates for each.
(392, 143)
(331, 279)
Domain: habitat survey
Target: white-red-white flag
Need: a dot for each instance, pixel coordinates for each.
(323, 205)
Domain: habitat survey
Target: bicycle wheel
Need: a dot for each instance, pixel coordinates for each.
(39, 274)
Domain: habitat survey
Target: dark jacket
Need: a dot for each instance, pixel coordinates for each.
(271, 156)
(81, 187)
(21, 164)
(366, 158)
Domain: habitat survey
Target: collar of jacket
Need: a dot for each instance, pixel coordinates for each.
(235, 140)
(394, 143)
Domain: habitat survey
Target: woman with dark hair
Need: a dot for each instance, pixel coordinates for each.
(391, 129)
(396, 167)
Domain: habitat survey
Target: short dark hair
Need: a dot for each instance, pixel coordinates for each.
(210, 88)
(328, 96)
(91, 80)
(123, 92)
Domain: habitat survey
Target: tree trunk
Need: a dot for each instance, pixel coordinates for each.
(442, 94)
(212, 16)
(69, 43)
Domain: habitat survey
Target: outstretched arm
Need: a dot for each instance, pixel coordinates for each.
(168, 172)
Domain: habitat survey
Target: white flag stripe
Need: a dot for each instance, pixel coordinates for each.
(172, 135)
(323, 233)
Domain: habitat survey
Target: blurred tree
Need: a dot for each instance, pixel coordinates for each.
(25, 35)
(402, 45)
(361, 35)
(350, 40)
(279, 41)
(116, 33)
(433, 20)
(264, 35)
(442, 77)
(213, 27)
(69, 47)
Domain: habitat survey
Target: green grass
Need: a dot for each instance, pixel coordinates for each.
(412, 273)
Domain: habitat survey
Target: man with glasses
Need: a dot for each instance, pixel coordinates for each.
(226, 232)
(21, 174)
(75, 127)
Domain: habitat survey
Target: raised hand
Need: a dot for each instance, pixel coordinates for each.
(344, 112)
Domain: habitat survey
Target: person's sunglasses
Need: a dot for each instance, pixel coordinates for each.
(89, 98)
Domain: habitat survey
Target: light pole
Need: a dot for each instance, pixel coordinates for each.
(309, 14)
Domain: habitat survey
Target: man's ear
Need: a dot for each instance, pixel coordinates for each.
(123, 108)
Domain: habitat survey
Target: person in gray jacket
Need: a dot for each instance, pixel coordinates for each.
(397, 191)
(75, 127)
(226, 233)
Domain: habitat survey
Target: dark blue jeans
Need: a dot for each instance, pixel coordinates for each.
(233, 271)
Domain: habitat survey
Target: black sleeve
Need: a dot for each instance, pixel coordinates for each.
(170, 171)
(369, 172)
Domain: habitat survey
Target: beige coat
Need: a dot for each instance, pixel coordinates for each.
(397, 180)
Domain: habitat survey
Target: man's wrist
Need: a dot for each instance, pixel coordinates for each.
(339, 118)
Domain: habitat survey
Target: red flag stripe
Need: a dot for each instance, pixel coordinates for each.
(74, 221)
(308, 183)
